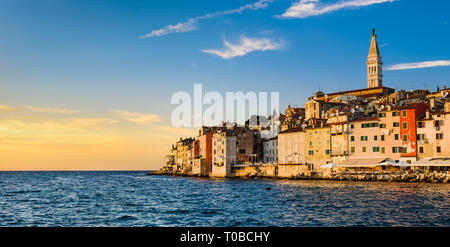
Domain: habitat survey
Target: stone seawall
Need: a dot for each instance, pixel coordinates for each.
(421, 177)
(383, 177)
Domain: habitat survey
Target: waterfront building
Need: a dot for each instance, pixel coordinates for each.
(183, 153)
(202, 163)
(398, 124)
(224, 154)
(317, 146)
(339, 125)
(270, 150)
(365, 139)
(291, 153)
(432, 131)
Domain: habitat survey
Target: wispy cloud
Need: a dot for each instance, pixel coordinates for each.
(54, 110)
(419, 65)
(245, 46)
(5, 108)
(307, 8)
(192, 23)
(137, 117)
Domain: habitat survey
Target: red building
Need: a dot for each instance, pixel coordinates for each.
(408, 131)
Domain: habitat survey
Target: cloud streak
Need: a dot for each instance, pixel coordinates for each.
(419, 65)
(307, 8)
(5, 108)
(53, 110)
(192, 23)
(137, 117)
(245, 46)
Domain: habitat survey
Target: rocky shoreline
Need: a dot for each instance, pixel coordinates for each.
(382, 177)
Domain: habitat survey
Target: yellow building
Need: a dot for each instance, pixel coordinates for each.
(291, 153)
(318, 146)
(183, 154)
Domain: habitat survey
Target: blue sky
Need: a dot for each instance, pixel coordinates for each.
(58, 52)
(88, 59)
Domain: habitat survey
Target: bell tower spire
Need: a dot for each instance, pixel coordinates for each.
(374, 63)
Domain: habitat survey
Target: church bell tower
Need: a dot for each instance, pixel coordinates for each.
(374, 63)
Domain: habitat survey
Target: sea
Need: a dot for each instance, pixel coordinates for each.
(133, 199)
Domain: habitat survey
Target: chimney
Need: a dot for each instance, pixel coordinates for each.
(427, 114)
(432, 103)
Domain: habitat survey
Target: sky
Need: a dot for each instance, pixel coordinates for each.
(86, 85)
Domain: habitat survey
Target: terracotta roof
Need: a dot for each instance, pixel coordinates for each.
(364, 119)
(359, 90)
(296, 129)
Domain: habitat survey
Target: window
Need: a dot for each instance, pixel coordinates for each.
(363, 138)
(382, 150)
(352, 126)
(396, 150)
(420, 124)
(376, 149)
(310, 152)
(438, 149)
(369, 125)
(352, 138)
(439, 136)
(327, 151)
(396, 137)
(420, 137)
(382, 137)
(396, 124)
(421, 150)
(352, 149)
(375, 138)
(363, 149)
(382, 126)
(404, 113)
(405, 125)
(395, 113)
(405, 138)
(383, 114)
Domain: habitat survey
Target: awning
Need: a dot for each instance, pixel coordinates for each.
(329, 165)
(432, 162)
(393, 163)
(364, 162)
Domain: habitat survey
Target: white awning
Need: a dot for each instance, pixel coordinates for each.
(432, 162)
(363, 162)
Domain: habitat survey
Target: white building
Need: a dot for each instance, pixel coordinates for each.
(270, 150)
(224, 154)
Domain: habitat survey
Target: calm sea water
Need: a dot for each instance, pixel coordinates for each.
(134, 199)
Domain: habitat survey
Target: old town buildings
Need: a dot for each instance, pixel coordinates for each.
(370, 128)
